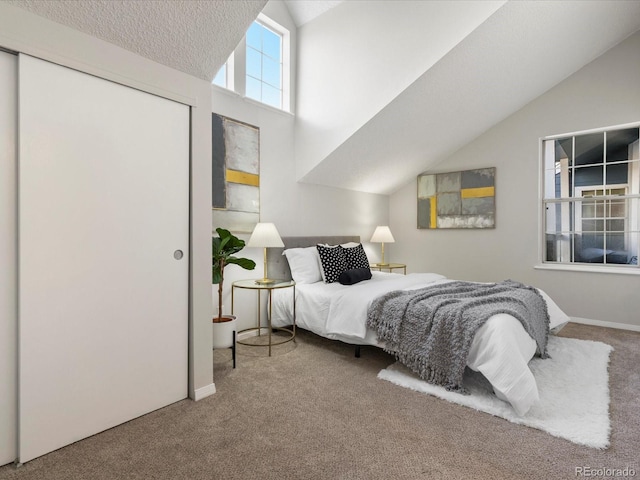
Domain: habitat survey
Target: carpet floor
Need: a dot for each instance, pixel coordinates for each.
(313, 411)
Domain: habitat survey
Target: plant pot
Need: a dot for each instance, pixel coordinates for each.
(223, 331)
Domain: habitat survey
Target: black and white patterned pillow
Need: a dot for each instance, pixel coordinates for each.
(356, 257)
(333, 262)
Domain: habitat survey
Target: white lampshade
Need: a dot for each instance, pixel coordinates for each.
(265, 235)
(382, 234)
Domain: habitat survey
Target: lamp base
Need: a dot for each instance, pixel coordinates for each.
(265, 281)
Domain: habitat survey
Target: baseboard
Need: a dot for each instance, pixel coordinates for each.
(601, 323)
(205, 391)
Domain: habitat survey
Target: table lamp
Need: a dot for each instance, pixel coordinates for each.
(265, 235)
(382, 235)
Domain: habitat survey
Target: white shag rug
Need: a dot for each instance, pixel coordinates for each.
(573, 385)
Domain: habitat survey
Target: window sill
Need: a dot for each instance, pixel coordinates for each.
(234, 94)
(631, 270)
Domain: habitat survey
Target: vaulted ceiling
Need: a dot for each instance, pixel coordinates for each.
(485, 74)
(441, 72)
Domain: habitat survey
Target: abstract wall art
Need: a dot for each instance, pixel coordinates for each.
(236, 174)
(463, 199)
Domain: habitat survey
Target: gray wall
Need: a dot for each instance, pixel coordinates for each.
(603, 93)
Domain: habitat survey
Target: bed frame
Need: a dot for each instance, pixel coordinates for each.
(278, 266)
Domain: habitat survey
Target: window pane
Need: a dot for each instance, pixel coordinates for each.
(221, 77)
(552, 218)
(271, 44)
(589, 176)
(589, 208)
(551, 189)
(558, 247)
(254, 36)
(549, 155)
(616, 249)
(254, 89)
(619, 144)
(591, 225)
(254, 63)
(558, 182)
(615, 225)
(589, 149)
(271, 72)
(589, 248)
(617, 173)
(600, 209)
(559, 217)
(271, 96)
(617, 208)
(564, 149)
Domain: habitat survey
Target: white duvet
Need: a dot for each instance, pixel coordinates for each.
(501, 349)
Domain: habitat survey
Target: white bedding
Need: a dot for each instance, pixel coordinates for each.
(500, 350)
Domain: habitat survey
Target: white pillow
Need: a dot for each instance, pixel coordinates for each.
(349, 244)
(304, 264)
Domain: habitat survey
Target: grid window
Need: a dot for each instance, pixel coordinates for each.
(264, 65)
(591, 192)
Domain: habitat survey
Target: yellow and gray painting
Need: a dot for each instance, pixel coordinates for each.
(463, 199)
(236, 174)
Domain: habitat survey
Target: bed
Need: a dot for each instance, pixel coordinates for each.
(501, 348)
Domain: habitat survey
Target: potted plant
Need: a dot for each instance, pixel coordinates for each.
(224, 246)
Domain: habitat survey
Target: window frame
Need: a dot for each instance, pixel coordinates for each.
(264, 55)
(237, 74)
(630, 226)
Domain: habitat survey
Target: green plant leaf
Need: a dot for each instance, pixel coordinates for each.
(245, 263)
(222, 248)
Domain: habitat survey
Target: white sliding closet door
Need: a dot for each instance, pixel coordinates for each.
(8, 260)
(103, 208)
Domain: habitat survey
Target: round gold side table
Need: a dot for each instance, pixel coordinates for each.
(269, 287)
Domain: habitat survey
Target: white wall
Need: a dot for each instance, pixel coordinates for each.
(24, 32)
(359, 56)
(603, 93)
(295, 208)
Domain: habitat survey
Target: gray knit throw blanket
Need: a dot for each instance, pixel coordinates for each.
(430, 330)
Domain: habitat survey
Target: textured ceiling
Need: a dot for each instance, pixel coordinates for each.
(192, 36)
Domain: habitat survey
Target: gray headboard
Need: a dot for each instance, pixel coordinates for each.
(277, 265)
